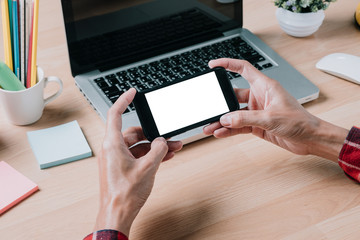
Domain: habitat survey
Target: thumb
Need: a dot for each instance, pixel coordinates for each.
(241, 118)
(158, 151)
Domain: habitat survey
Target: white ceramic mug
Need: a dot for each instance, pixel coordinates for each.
(26, 106)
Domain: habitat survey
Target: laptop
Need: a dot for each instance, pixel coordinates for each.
(117, 44)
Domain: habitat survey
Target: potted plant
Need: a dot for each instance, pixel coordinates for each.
(301, 18)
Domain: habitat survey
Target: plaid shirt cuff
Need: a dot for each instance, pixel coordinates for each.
(349, 158)
(106, 234)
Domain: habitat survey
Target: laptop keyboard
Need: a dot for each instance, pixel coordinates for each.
(156, 73)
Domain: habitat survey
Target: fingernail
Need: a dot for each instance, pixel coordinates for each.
(225, 120)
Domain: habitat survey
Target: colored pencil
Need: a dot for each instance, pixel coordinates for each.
(7, 34)
(16, 45)
(22, 40)
(28, 8)
(11, 29)
(34, 41)
(29, 55)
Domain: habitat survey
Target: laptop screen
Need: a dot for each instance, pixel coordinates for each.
(111, 33)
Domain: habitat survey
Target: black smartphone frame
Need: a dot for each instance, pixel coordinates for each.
(146, 118)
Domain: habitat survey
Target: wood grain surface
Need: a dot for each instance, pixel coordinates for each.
(235, 188)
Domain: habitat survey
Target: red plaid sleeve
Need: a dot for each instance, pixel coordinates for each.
(349, 158)
(106, 234)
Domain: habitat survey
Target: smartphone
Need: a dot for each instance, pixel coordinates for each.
(184, 104)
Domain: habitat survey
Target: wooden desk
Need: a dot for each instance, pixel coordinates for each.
(235, 188)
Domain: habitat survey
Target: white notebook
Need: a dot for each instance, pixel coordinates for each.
(58, 145)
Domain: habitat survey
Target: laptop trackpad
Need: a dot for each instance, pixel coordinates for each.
(240, 83)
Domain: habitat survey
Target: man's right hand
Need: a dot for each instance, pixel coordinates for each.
(274, 115)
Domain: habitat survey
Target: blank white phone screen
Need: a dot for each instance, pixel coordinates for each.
(185, 103)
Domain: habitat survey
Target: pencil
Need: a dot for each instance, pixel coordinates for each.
(11, 30)
(22, 40)
(6, 33)
(34, 42)
(16, 50)
(29, 55)
(28, 23)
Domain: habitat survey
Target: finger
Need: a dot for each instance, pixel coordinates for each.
(133, 135)
(242, 95)
(119, 107)
(241, 118)
(227, 132)
(244, 68)
(169, 156)
(157, 152)
(209, 130)
(174, 146)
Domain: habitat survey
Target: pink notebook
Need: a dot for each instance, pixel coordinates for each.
(14, 187)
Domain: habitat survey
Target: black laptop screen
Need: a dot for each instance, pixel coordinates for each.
(110, 33)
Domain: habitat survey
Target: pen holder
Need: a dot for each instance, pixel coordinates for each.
(26, 106)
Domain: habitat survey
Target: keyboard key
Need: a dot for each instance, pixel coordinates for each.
(156, 75)
(157, 68)
(141, 87)
(110, 90)
(151, 84)
(162, 80)
(258, 66)
(267, 65)
(110, 76)
(167, 72)
(256, 59)
(101, 79)
(177, 69)
(123, 86)
(135, 82)
(187, 66)
(113, 98)
(101, 83)
(146, 79)
(145, 66)
(194, 70)
(113, 81)
(203, 68)
(173, 77)
(137, 74)
(182, 74)
(122, 73)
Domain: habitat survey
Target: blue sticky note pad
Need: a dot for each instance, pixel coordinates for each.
(58, 145)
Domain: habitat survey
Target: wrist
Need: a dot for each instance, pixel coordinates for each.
(327, 140)
(116, 216)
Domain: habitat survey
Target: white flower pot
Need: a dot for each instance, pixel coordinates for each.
(299, 24)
